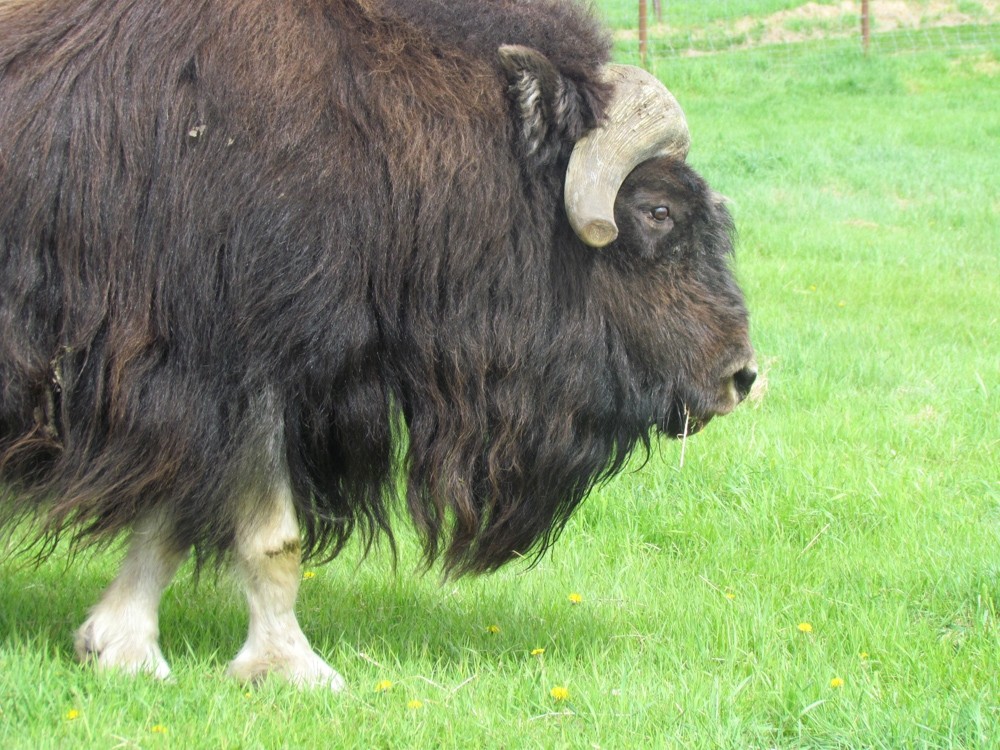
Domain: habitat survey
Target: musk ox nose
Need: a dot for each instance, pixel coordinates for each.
(743, 380)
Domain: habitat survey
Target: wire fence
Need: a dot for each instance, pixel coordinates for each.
(660, 29)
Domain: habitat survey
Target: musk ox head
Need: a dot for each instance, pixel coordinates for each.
(667, 236)
(629, 194)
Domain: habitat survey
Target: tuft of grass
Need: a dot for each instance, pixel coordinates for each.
(858, 493)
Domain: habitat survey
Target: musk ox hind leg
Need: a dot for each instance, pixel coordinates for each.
(267, 561)
(122, 631)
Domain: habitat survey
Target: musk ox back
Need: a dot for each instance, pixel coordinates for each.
(261, 258)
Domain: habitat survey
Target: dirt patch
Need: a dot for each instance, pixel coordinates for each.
(986, 65)
(890, 15)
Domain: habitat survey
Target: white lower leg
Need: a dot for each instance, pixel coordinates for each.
(122, 631)
(267, 561)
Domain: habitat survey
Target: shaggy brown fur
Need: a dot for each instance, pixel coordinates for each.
(223, 218)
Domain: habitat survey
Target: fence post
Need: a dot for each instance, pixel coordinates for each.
(643, 30)
(866, 29)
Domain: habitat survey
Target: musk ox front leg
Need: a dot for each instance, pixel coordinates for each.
(268, 553)
(122, 631)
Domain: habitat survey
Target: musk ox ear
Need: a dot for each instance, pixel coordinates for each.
(553, 113)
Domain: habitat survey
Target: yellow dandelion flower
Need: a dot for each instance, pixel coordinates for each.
(863, 656)
(158, 729)
(415, 705)
(492, 629)
(72, 715)
(575, 598)
(730, 595)
(307, 575)
(383, 685)
(537, 651)
(805, 627)
(559, 693)
(836, 682)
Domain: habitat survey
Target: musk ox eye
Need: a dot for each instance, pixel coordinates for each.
(660, 213)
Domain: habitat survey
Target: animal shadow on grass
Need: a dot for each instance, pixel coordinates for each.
(44, 604)
(354, 615)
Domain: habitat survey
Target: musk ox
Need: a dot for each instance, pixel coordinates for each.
(264, 262)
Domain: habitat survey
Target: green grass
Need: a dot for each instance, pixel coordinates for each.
(860, 495)
(689, 13)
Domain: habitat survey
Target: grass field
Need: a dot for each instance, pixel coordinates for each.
(823, 571)
(694, 27)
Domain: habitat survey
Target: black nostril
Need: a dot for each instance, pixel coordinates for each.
(743, 380)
